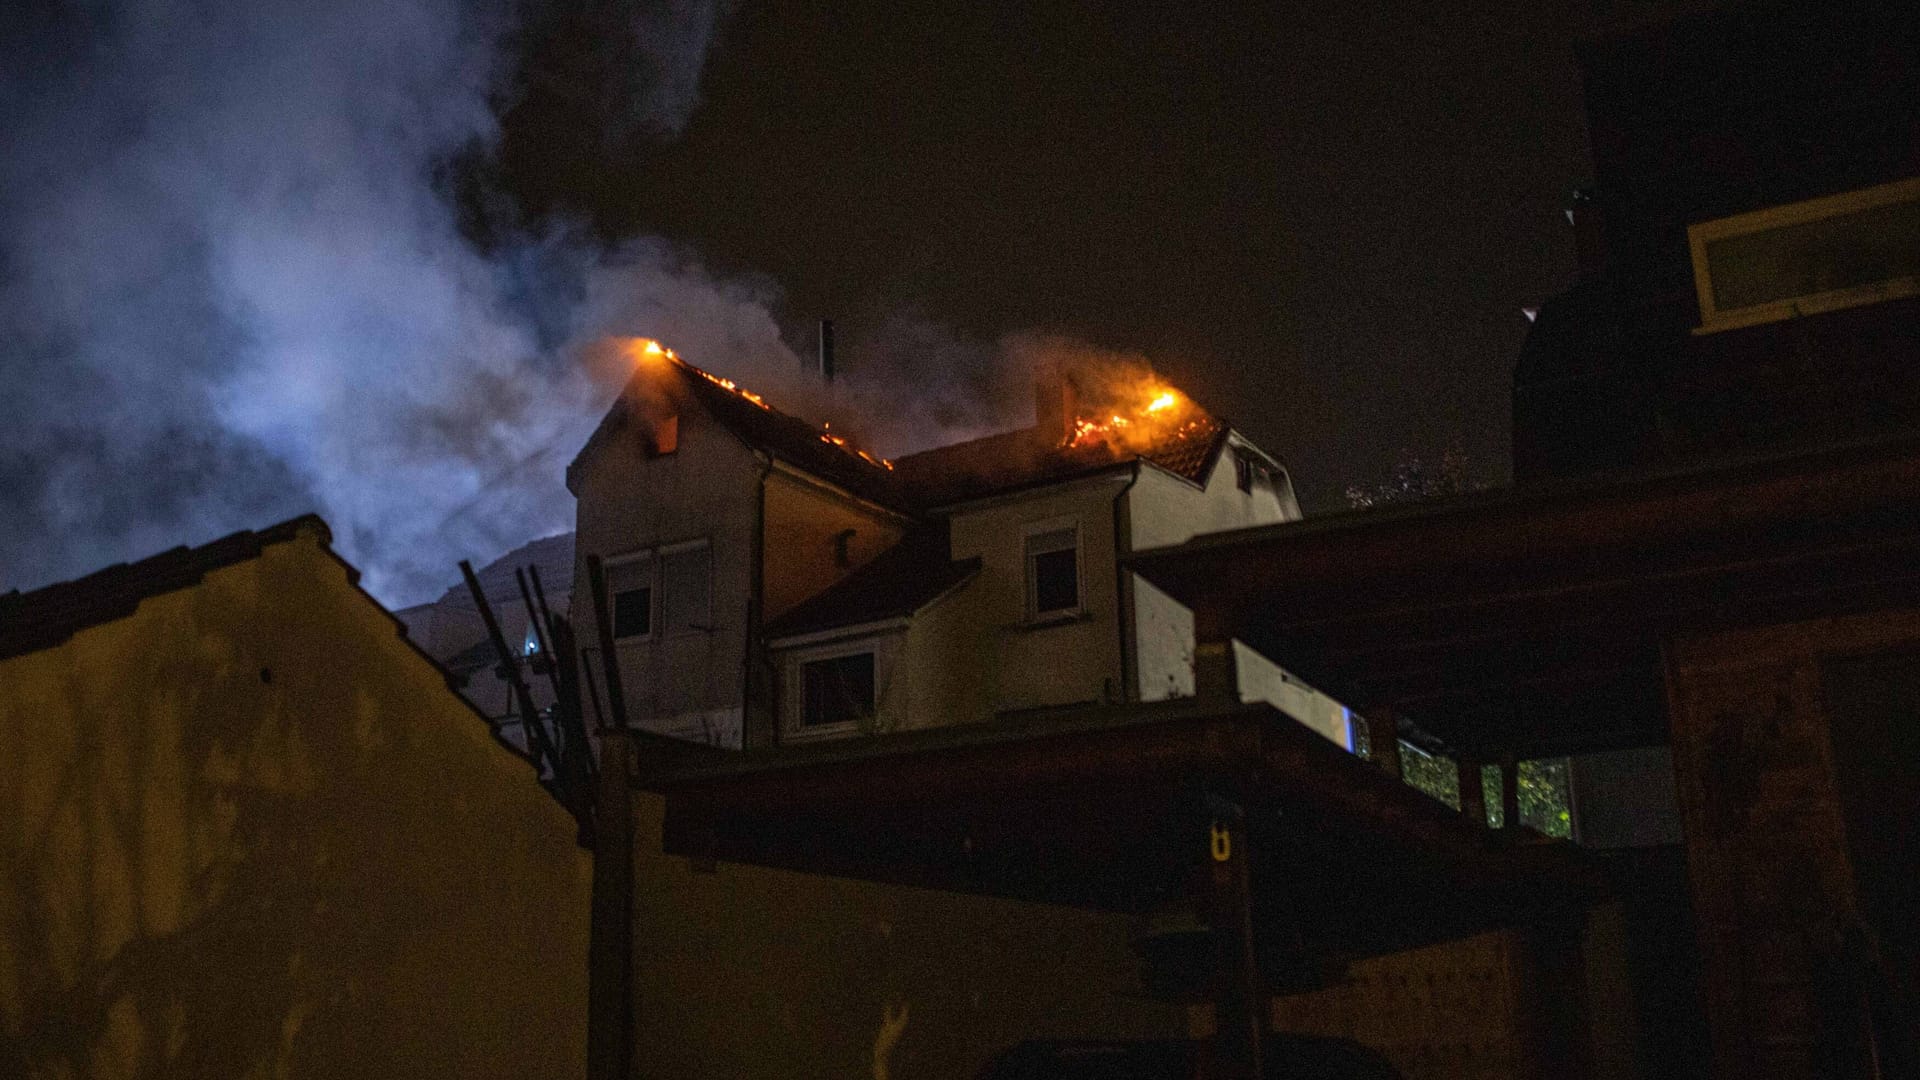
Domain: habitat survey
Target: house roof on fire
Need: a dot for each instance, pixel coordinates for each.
(1029, 457)
(763, 428)
(979, 468)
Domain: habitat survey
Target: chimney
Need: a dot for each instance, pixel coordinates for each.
(826, 351)
(1054, 404)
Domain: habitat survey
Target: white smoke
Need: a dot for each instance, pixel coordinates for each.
(231, 292)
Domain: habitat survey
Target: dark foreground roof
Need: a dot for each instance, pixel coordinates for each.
(1107, 807)
(46, 617)
(902, 580)
(1532, 619)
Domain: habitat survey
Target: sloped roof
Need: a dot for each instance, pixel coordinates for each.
(48, 616)
(1030, 457)
(900, 581)
(551, 555)
(763, 428)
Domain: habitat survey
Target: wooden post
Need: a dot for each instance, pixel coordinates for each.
(1240, 1005)
(1473, 791)
(1509, 792)
(610, 1002)
(611, 1007)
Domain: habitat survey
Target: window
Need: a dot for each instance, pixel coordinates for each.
(838, 690)
(1808, 257)
(666, 436)
(1053, 572)
(1247, 472)
(631, 583)
(686, 590)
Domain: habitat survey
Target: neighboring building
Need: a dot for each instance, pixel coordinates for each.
(772, 583)
(451, 631)
(251, 831)
(1704, 585)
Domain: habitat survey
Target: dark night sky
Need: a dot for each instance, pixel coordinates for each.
(1322, 219)
(278, 257)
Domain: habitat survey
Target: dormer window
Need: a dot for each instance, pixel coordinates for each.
(1053, 572)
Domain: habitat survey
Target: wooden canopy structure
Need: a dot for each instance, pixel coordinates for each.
(1112, 808)
(1532, 620)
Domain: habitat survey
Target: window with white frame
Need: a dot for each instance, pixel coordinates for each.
(1840, 251)
(1053, 572)
(630, 584)
(686, 589)
(837, 690)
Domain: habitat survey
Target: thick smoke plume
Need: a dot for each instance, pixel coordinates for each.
(230, 290)
(233, 288)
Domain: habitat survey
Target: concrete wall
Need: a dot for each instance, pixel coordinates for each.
(748, 972)
(802, 520)
(1263, 680)
(690, 685)
(247, 831)
(1057, 661)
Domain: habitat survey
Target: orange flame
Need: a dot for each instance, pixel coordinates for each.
(1149, 413)
(650, 350)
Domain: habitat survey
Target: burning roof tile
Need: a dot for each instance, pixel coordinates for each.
(1032, 457)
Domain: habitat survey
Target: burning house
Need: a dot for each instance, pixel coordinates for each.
(771, 582)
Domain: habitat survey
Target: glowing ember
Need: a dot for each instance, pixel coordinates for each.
(1149, 414)
(648, 349)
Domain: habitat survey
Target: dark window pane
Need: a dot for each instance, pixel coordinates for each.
(1242, 473)
(1056, 581)
(632, 613)
(836, 691)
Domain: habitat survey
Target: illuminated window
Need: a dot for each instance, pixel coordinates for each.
(1053, 572)
(1804, 258)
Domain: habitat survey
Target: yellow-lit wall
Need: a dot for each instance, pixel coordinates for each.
(246, 831)
(802, 519)
(745, 972)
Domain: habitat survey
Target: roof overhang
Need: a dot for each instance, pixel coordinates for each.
(1108, 808)
(1534, 620)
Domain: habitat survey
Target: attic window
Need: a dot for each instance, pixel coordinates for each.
(666, 436)
(1053, 572)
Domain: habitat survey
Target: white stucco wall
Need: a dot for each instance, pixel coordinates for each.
(1055, 661)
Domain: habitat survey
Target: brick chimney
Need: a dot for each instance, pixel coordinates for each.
(1054, 403)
